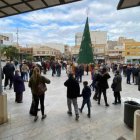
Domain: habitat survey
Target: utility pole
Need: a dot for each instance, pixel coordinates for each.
(17, 36)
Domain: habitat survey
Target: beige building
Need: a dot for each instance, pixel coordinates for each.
(67, 52)
(132, 52)
(99, 52)
(45, 51)
(116, 51)
(75, 50)
(116, 55)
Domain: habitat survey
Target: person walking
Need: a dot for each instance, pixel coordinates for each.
(19, 87)
(96, 84)
(103, 85)
(8, 71)
(25, 71)
(73, 91)
(128, 73)
(117, 87)
(86, 94)
(38, 88)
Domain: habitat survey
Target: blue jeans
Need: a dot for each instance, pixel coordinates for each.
(25, 76)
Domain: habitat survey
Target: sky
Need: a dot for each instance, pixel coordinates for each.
(60, 24)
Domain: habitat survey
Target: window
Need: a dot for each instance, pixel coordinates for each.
(1, 41)
(38, 52)
(43, 52)
(128, 53)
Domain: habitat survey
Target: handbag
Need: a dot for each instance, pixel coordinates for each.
(41, 88)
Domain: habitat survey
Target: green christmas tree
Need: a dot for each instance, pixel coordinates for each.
(86, 52)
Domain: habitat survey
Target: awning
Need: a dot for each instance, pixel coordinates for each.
(14, 7)
(128, 3)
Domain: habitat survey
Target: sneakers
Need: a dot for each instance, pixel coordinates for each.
(69, 113)
(36, 118)
(43, 117)
(77, 117)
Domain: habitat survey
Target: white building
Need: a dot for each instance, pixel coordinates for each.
(6, 38)
(97, 37)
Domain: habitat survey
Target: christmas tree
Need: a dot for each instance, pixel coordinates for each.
(86, 52)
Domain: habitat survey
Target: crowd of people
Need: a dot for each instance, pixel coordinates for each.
(15, 75)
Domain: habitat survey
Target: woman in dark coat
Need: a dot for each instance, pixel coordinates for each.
(117, 87)
(18, 87)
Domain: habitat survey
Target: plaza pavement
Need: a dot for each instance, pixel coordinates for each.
(106, 123)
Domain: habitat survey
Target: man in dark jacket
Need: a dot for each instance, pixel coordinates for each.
(128, 73)
(73, 91)
(8, 71)
(103, 85)
(117, 87)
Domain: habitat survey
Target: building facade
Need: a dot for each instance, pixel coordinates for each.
(6, 39)
(46, 52)
(116, 50)
(116, 55)
(132, 52)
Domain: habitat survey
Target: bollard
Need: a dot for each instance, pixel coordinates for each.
(3, 109)
(137, 125)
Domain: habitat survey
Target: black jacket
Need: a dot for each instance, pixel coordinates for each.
(117, 81)
(73, 88)
(86, 92)
(102, 79)
(8, 70)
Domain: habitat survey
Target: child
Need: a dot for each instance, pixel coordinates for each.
(86, 94)
(18, 87)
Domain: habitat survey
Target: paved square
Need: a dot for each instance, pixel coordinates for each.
(106, 123)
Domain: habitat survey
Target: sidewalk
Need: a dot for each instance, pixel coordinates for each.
(106, 123)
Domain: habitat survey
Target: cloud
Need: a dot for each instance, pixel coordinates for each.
(61, 23)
